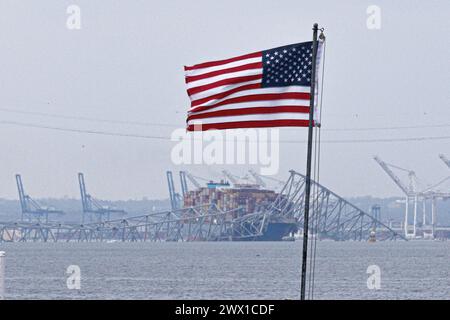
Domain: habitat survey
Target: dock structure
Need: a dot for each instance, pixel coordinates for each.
(31, 210)
(332, 218)
(93, 210)
(413, 225)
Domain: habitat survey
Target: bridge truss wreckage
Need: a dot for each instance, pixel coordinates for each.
(332, 218)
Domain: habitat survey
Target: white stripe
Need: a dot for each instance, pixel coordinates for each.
(255, 104)
(210, 92)
(209, 80)
(297, 89)
(196, 72)
(252, 117)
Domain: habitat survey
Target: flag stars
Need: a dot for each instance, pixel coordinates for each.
(287, 66)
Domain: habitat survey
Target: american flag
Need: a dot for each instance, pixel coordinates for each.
(270, 88)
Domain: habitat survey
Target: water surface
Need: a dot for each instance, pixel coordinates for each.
(226, 270)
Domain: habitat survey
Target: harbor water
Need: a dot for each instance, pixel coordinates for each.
(225, 270)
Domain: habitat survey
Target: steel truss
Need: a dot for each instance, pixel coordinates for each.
(202, 223)
(332, 217)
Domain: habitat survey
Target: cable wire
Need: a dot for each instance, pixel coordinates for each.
(132, 135)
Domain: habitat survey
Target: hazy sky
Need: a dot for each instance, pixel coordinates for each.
(126, 63)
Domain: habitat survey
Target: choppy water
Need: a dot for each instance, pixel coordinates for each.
(226, 270)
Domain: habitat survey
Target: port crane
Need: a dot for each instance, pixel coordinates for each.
(409, 190)
(259, 179)
(92, 207)
(194, 180)
(32, 210)
(412, 196)
(237, 180)
(175, 198)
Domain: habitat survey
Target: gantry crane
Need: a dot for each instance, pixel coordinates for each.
(31, 210)
(410, 192)
(175, 198)
(183, 182)
(92, 207)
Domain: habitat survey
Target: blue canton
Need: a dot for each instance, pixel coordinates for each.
(287, 65)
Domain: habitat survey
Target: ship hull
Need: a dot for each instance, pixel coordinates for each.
(275, 231)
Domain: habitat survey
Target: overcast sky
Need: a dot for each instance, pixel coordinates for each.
(126, 63)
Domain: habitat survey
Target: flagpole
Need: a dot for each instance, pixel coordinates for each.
(308, 164)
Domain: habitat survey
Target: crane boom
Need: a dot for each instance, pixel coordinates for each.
(83, 193)
(445, 159)
(93, 207)
(192, 179)
(22, 196)
(257, 178)
(31, 209)
(173, 201)
(230, 176)
(184, 187)
(392, 175)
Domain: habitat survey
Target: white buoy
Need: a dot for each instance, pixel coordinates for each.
(2, 275)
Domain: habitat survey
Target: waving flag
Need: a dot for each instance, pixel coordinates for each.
(270, 88)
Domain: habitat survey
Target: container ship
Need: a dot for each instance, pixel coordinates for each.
(243, 199)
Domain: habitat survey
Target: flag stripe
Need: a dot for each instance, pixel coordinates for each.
(252, 124)
(294, 89)
(221, 62)
(252, 117)
(243, 73)
(248, 111)
(222, 95)
(255, 65)
(196, 72)
(258, 104)
(255, 97)
(221, 85)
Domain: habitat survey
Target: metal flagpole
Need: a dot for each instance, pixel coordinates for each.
(2, 275)
(308, 164)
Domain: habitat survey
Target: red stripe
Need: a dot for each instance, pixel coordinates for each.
(222, 83)
(220, 62)
(250, 124)
(222, 95)
(256, 97)
(246, 111)
(255, 65)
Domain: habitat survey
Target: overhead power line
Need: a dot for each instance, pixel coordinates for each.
(131, 135)
(69, 117)
(150, 124)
